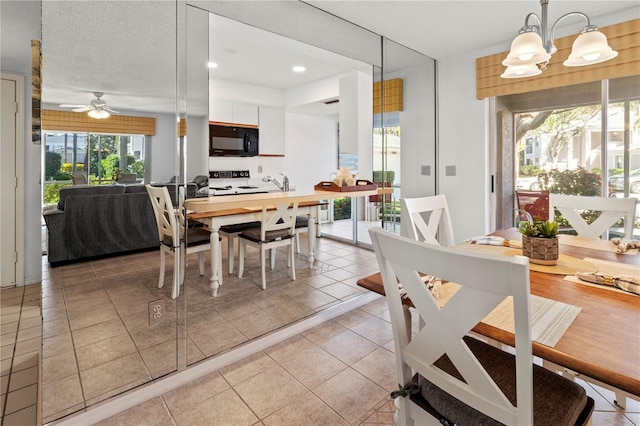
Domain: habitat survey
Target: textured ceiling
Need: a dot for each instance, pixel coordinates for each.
(127, 49)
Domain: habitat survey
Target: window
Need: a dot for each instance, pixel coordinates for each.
(101, 158)
(560, 144)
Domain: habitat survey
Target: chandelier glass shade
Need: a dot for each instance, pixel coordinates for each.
(519, 71)
(534, 46)
(526, 49)
(590, 48)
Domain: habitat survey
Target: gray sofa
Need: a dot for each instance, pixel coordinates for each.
(99, 220)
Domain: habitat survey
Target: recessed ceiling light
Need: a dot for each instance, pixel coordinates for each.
(212, 65)
(299, 68)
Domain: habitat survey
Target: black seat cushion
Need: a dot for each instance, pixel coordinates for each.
(302, 221)
(556, 399)
(253, 234)
(239, 227)
(195, 236)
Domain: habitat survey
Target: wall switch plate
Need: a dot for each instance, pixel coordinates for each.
(450, 170)
(425, 170)
(259, 169)
(156, 311)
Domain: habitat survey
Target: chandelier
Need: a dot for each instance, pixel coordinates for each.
(532, 48)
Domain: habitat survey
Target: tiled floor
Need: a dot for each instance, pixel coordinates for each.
(97, 343)
(21, 334)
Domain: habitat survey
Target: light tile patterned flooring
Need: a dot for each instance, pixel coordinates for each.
(21, 334)
(339, 372)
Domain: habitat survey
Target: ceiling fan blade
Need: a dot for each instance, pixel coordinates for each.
(83, 109)
(71, 106)
(112, 111)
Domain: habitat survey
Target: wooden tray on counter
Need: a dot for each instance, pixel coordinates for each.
(361, 185)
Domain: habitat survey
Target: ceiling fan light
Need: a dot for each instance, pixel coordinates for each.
(590, 47)
(526, 49)
(98, 114)
(521, 71)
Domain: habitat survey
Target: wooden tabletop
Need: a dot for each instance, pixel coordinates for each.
(603, 342)
(227, 202)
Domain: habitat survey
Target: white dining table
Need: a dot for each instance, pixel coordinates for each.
(215, 212)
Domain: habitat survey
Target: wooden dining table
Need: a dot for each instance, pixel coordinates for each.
(218, 211)
(603, 341)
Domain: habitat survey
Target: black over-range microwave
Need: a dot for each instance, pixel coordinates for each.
(232, 141)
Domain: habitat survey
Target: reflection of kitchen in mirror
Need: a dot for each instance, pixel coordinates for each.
(291, 91)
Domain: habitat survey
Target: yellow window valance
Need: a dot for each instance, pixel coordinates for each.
(393, 100)
(80, 122)
(623, 37)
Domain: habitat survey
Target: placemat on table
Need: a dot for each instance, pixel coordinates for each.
(567, 265)
(592, 243)
(549, 319)
(609, 268)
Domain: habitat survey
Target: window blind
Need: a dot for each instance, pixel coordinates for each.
(81, 122)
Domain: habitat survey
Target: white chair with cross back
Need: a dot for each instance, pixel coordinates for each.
(446, 375)
(277, 229)
(171, 233)
(427, 219)
(612, 210)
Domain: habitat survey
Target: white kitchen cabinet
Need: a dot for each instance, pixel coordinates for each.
(229, 112)
(245, 114)
(221, 111)
(272, 131)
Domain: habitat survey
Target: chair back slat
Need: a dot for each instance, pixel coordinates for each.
(169, 226)
(284, 217)
(427, 219)
(612, 210)
(485, 281)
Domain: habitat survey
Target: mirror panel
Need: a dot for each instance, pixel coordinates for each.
(99, 335)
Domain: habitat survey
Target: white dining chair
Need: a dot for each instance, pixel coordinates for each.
(277, 229)
(231, 232)
(444, 375)
(427, 219)
(173, 234)
(612, 210)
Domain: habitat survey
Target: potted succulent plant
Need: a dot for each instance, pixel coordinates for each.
(540, 241)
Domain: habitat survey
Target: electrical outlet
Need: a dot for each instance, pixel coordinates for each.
(425, 170)
(156, 311)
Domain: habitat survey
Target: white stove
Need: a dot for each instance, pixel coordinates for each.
(232, 182)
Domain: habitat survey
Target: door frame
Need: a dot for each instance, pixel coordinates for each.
(20, 188)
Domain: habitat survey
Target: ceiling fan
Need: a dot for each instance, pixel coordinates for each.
(96, 109)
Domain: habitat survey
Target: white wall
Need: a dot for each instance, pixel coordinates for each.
(312, 149)
(463, 144)
(418, 130)
(20, 23)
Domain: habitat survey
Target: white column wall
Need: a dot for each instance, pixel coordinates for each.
(312, 149)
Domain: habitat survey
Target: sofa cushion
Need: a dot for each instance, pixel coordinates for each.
(81, 190)
(134, 189)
